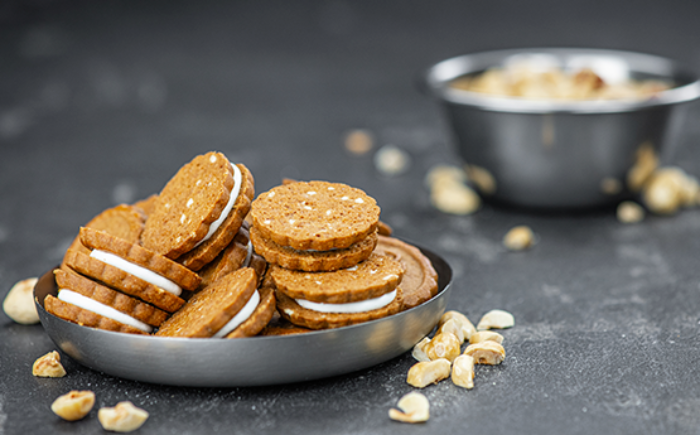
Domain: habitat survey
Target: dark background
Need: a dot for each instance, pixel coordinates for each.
(101, 102)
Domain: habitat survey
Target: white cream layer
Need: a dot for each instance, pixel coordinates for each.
(136, 270)
(237, 180)
(241, 316)
(92, 305)
(351, 307)
(249, 255)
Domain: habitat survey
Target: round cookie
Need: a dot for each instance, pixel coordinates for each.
(315, 215)
(372, 278)
(261, 316)
(206, 251)
(313, 261)
(420, 278)
(188, 204)
(211, 309)
(300, 316)
(84, 317)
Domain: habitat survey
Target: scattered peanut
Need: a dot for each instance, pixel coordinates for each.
(419, 350)
(414, 408)
(482, 336)
(486, 352)
(463, 371)
(610, 186)
(482, 179)
(496, 319)
(359, 141)
(443, 345)
(74, 405)
(444, 173)
(124, 417)
(663, 193)
(629, 212)
(452, 326)
(467, 327)
(423, 374)
(392, 160)
(19, 302)
(454, 198)
(519, 238)
(646, 163)
(49, 366)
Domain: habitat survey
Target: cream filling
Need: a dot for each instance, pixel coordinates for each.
(249, 255)
(237, 180)
(351, 307)
(136, 270)
(241, 316)
(92, 305)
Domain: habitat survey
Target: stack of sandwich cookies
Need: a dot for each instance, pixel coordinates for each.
(367, 291)
(219, 310)
(199, 210)
(314, 226)
(125, 268)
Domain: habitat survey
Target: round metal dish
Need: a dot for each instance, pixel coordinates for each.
(254, 361)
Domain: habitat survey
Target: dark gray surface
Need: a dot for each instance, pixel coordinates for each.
(101, 102)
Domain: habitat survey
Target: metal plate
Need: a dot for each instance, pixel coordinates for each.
(254, 361)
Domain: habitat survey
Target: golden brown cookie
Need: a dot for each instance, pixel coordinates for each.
(123, 281)
(239, 253)
(372, 278)
(67, 279)
(147, 204)
(169, 269)
(313, 261)
(208, 250)
(260, 317)
(296, 314)
(84, 317)
(420, 278)
(211, 309)
(123, 221)
(188, 204)
(315, 215)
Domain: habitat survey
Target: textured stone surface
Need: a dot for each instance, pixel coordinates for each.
(101, 102)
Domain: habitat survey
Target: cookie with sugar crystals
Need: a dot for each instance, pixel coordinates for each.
(419, 282)
(193, 199)
(241, 198)
(315, 215)
(311, 260)
(266, 309)
(214, 311)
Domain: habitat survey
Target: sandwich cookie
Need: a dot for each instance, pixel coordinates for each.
(84, 294)
(197, 198)
(367, 291)
(419, 282)
(217, 310)
(239, 253)
(264, 312)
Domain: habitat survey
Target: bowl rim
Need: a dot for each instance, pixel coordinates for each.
(437, 77)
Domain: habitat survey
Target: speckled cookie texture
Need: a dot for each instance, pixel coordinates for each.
(208, 250)
(315, 215)
(260, 317)
(188, 204)
(210, 309)
(419, 282)
(313, 261)
(140, 256)
(69, 280)
(369, 279)
(83, 317)
(233, 257)
(123, 281)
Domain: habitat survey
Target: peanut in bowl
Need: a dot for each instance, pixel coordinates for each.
(560, 128)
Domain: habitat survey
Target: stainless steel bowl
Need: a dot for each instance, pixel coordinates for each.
(255, 361)
(561, 154)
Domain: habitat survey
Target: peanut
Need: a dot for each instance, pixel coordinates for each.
(496, 319)
(19, 302)
(124, 417)
(423, 374)
(486, 352)
(463, 371)
(443, 345)
(482, 336)
(74, 405)
(49, 366)
(453, 327)
(629, 212)
(413, 408)
(519, 238)
(467, 327)
(419, 350)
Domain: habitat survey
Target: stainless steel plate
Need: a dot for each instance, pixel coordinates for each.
(251, 361)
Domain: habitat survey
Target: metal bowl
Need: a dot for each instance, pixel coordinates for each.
(561, 154)
(255, 361)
